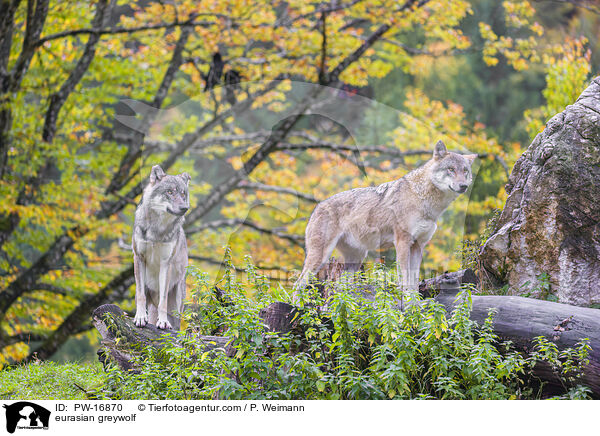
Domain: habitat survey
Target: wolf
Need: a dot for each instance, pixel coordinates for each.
(160, 250)
(401, 213)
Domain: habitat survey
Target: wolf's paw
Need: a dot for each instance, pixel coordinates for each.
(164, 324)
(141, 319)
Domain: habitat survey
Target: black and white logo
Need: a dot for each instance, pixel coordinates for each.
(26, 415)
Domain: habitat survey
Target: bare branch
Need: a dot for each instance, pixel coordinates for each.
(353, 148)
(237, 269)
(121, 30)
(52, 288)
(161, 146)
(234, 222)
(255, 186)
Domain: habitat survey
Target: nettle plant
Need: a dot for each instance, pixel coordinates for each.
(354, 349)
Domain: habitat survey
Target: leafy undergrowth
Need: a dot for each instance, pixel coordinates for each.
(50, 381)
(355, 349)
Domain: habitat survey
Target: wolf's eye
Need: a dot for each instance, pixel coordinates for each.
(170, 192)
(451, 171)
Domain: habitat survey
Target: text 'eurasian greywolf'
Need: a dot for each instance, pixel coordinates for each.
(402, 213)
(160, 250)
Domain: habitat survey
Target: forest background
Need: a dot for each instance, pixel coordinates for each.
(271, 107)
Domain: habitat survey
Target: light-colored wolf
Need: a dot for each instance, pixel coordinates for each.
(402, 213)
(160, 250)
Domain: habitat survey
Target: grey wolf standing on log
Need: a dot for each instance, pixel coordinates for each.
(402, 213)
(160, 250)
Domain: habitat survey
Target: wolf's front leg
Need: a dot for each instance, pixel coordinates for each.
(141, 312)
(403, 242)
(163, 284)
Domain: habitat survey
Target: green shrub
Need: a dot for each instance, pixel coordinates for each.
(355, 349)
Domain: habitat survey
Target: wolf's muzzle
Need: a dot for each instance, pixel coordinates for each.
(179, 212)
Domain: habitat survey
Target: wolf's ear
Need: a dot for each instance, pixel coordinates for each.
(471, 158)
(440, 150)
(156, 174)
(186, 178)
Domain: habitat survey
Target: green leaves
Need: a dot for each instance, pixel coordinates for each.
(354, 349)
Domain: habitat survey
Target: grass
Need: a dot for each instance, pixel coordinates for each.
(50, 381)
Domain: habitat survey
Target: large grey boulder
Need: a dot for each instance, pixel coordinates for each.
(551, 220)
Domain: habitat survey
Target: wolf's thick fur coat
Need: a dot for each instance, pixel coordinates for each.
(160, 250)
(401, 213)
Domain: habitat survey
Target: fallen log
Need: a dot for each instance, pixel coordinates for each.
(520, 320)
(447, 281)
(122, 340)
(517, 319)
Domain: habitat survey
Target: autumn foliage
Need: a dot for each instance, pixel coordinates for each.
(304, 105)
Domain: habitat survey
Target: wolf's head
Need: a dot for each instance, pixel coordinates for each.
(168, 193)
(451, 171)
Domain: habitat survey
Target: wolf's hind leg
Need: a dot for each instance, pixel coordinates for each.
(353, 256)
(403, 242)
(152, 314)
(416, 256)
(317, 254)
(175, 304)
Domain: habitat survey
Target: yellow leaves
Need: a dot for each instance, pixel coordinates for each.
(537, 28)
(486, 32)
(379, 68)
(568, 67)
(518, 50)
(518, 13)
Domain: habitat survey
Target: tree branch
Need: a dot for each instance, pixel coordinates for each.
(112, 291)
(122, 30)
(120, 284)
(237, 269)
(36, 17)
(26, 196)
(7, 18)
(255, 186)
(51, 259)
(134, 150)
(58, 99)
(162, 146)
(353, 148)
(11, 82)
(325, 8)
(333, 75)
(234, 222)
